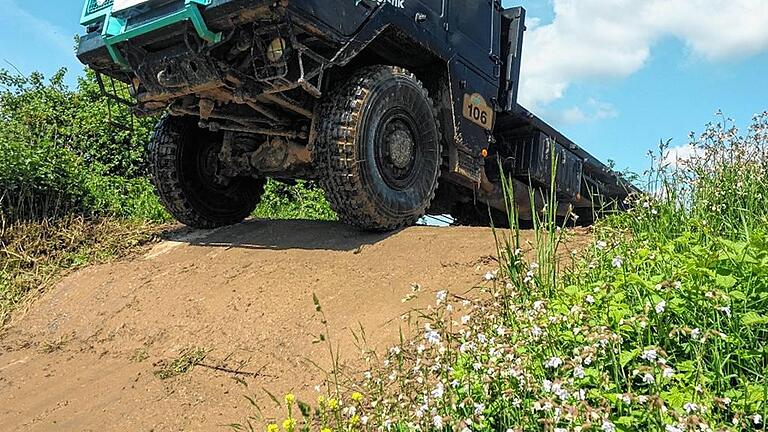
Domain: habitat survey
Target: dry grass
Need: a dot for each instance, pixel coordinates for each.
(34, 255)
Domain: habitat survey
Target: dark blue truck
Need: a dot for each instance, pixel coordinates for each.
(397, 108)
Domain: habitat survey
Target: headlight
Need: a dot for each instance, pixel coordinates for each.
(276, 50)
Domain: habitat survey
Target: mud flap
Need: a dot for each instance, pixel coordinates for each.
(474, 115)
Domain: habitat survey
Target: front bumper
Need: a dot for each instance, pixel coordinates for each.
(100, 48)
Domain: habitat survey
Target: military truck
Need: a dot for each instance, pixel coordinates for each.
(397, 108)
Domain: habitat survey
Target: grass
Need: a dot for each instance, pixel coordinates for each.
(34, 255)
(184, 363)
(660, 325)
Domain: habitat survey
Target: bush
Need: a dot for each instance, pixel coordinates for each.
(60, 155)
(64, 152)
(301, 201)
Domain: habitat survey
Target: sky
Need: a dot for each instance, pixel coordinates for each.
(616, 76)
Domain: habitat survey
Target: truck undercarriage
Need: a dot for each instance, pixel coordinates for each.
(369, 99)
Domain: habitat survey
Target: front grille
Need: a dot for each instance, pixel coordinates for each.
(97, 5)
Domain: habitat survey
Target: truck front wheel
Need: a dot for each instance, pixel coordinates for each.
(184, 163)
(379, 149)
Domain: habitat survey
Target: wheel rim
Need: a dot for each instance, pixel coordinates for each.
(397, 150)
(207, 161)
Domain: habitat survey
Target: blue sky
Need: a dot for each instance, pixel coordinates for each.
(617, 76)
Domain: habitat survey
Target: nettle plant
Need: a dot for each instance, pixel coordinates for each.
(660, 324)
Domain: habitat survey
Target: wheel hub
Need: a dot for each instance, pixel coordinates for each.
(397, 150)
(400, 145)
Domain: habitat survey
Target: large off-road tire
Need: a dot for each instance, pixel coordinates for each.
(183, 162)
(379, 149)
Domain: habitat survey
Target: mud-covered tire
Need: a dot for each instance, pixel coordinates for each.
(379, 149)
(180, 156)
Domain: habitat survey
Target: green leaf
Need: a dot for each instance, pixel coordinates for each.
(725, 282)
(753, 319)
(738, 295)
(628, 356)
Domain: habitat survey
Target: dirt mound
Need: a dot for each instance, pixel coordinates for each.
(89, 353)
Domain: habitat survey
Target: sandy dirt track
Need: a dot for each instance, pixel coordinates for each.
(84, 357)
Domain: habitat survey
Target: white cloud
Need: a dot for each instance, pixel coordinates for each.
(595, 110)
(677, 156)
(611, 39)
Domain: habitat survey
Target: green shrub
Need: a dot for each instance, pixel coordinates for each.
(60, 154)
(68, 151)
(661, 324)
(301, 201)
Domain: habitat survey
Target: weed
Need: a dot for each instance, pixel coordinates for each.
(184, 363)
(139, 355)
(52, 346)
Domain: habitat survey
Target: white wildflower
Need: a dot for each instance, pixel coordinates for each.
(465, 319)
(601, 245)
(536, 331)
(490, 276)
(437, 421)
(501, 331)
(726, 310)
(479, 408)
(578, 372)
(650, 355)
(553, 363)
(668, 372)
(590, 299)
(431, 335)
(441, 296)
(690, 407)
(757, 419)
(608, 426)
(696, 333)
(649, 379)
(617, 262)
(661, 307)
(438, 392)
(671, 428)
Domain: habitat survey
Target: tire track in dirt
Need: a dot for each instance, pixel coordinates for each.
(84, 357)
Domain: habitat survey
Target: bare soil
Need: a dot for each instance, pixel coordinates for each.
(85, 357)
